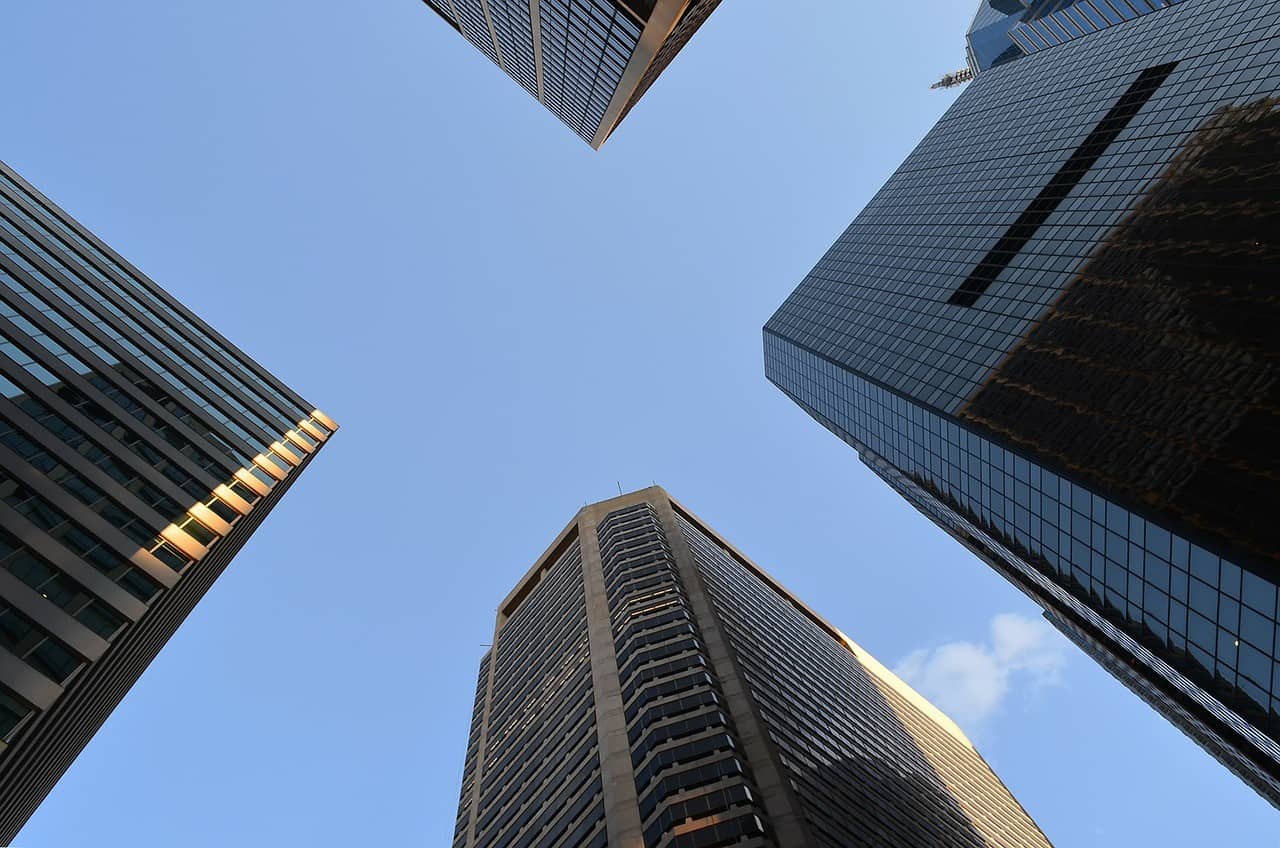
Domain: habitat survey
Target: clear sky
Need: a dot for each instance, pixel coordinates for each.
(508, 325)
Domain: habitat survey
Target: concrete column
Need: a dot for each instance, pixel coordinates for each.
(663, 19)
(779, 801)
(621, 806)
(477, 779)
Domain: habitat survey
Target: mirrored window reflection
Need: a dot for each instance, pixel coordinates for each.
(1181, 600)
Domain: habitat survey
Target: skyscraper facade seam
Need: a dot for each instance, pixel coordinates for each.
(622, 818)
(662, 20)
(493, 34)
(535, 22)
(779, 799)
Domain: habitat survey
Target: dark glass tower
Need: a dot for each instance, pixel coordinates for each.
(1054, 331)
(649, 685)
(139, 450)
(588, 61)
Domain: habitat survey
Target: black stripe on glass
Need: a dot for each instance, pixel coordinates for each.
(1067, 178)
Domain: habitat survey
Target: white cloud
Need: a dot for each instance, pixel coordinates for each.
(970, 682)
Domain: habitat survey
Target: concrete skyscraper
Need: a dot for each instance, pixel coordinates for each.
(648, 685)
(1055, 332)
(588, 61)
(139, 450)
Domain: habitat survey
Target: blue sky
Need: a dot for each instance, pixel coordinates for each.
(508, 325)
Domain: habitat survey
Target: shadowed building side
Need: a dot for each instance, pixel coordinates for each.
(1156, 373)
(1054, 335)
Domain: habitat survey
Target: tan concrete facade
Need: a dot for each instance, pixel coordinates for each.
(622, 815)
(662, 662)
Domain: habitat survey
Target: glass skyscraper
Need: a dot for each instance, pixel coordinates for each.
(649, 685)
(139, 450)
(1054, 332)
(1004, 30)
(588, 61)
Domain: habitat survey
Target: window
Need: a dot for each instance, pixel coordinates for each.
(57, 588)
(246, 494)
(263, 477)
(198, 531)
(13, 714)
(28, 641)
(222, 510)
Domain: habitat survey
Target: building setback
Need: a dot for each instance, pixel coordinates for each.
(588, 61)
(648, 685)
(1054, 332)
(139, 450)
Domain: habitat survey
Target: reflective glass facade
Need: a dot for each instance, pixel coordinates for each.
(1064, 353)
(588, 61)
(649, 686)
(138, 451)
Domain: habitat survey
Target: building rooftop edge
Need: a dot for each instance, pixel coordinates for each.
(530, 577)
(657, 493)
(874, 666)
